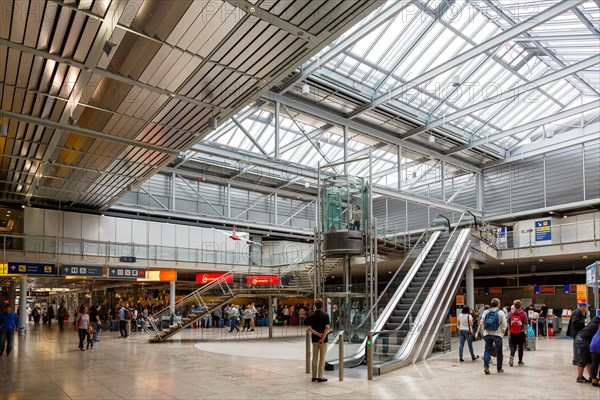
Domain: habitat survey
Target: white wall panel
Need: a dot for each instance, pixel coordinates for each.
(182, 236)
(52, 223)
(108, 229)
(90, 227)
(155, 233)
(34, 221)
(168, 235)
(123, 230)
(72, 224)
(139, 231)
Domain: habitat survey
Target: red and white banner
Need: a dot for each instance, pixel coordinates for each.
(262, 280)
(208, 278)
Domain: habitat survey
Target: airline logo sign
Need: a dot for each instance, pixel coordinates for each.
(126, 273)
(208, 278)
(262, 280)
(31, 268)
(81, 270)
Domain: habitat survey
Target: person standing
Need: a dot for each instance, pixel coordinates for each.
(50, 315)
(61, 313)
(233, 312)
(517, 332)
(493, 322)
(83, 321)
(96, 322)
(318, 325)
(302, 315)
(595, 352)
(542, 320)
(576, 324)
(582, 348)
(9, 322)
(465, 330)
(356, 218)
(122, 321)
(253, 320)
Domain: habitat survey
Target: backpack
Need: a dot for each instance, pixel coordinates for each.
(492, 321)
(516, 324)
(127, 314)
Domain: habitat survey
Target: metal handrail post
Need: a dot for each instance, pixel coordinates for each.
(341, 356)
(370, 356)
(308, 352)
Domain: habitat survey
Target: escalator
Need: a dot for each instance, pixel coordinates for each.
(409, 267)
(406, 330)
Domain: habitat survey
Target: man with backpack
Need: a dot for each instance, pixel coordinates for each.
(517, 332)
(124, 320)
(494, 326)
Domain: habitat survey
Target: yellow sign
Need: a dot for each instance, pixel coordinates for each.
(460, 300)
(48, 269)
(581, 294)
(4, 269)
(23, 268)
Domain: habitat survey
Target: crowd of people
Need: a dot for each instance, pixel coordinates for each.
(586, 344)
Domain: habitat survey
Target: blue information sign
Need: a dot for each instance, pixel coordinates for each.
(81, 270)
(543, 230)
(25, 268)
(126, 273)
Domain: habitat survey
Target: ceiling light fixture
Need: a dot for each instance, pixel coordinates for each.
(3, 130)
(564, 216)
(108, 47)
(549, 133)
(213, 123)
(252, 9)
(540, 259)
(585, 257)
(431, 139)
(305, 89)
(455, 81)
(71, 120)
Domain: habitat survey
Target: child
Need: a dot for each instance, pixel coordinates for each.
(90, 338)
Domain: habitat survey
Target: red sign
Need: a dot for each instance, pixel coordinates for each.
(208, 278)
(496, 291)
(547, 289)
(262, 280)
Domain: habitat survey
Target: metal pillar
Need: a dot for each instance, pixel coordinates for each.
(469, 277)
(277, 138)
(399, 167)
(345, 149)
(12, 295)
(172, 295)
(479, 189)
(173, 191)
(270, 316)
(23, 306)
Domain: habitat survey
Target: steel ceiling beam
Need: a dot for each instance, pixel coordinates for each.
(87, 132)
(530, 125)
(575, 137)
(379, 133)
(517, 30)
(102, 72)
(249, 136)
(338, 48)
(509, 94)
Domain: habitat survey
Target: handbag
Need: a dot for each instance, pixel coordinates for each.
(470, 331)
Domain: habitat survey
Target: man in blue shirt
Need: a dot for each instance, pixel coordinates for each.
(9, 321)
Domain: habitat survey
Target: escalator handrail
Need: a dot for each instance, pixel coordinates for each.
(432, 269)
(373, 307)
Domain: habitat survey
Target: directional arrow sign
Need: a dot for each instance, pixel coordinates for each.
(23, 268)
(81, 270)
(126, 273)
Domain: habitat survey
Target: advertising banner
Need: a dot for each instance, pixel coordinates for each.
(262, 280)
(208, 278)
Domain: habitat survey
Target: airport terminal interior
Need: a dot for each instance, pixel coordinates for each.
(196, 177)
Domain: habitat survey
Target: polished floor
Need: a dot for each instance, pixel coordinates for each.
(217, 365)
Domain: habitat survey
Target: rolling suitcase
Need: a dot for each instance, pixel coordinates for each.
(531, 341)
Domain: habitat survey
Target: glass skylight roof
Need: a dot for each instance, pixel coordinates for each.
(430, 34)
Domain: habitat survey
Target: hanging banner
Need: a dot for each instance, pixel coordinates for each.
(581, 294)
(536, 289)
(208, 278)
(566, 288)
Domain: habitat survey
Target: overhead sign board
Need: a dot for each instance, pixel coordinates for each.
(81, 270)
(262, 280)
(127, 259)
(22, 268)
(543, 230)
(547, 289)
(208, 278)
(38, 293)
(126, 273)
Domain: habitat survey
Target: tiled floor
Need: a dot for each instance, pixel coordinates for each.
(47, 365)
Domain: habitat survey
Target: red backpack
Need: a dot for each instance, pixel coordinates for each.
(516, 323)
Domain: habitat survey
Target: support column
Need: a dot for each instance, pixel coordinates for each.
(277, 137)
(23, 306)
(479, 191)
(443, 179)
(345, 150)
(399, 167)
(172, 294)
(270, 316)
(12, 295)
(469, 277)
(173, 191)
